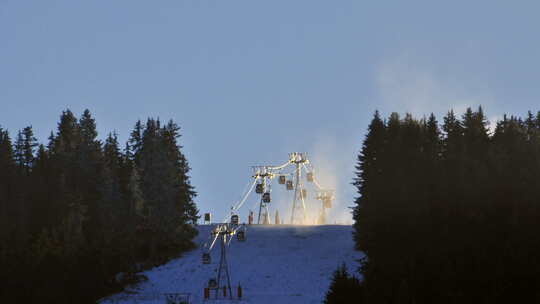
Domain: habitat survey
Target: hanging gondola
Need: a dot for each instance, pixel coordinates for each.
(290, 185)
(259, 188)
(234, 219)
(282, 179)
(266, 197)
(206, 259)
(241, 236)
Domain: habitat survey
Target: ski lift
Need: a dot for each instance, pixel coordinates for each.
(241, 236)
(289, 185)
(259, 188)
(206, 258)
(234, 219)
(309, 177)
(212, 283)
(327, 203)
(303, 193)
(282, 179)
(266, 197)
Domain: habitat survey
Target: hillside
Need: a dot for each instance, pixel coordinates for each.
(276, 264)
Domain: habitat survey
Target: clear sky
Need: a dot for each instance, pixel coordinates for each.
(250, 81)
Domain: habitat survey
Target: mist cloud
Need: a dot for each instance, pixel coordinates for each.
(406, 83)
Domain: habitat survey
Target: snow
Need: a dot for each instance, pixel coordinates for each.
(276, 264)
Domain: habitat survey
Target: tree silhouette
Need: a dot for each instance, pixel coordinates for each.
(448, 217)
(76, 212)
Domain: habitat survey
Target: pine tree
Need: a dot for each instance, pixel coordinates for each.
(93, 180)
(135, 139)
(186, 192)
(24, 150)
(368, 181)
(29, 148)
(115, 217)
(111, 152)
(19, 151)
(475, 132)
(67, 136)
(42, 180)
(344, 288)
(167, 193)
(7, 195)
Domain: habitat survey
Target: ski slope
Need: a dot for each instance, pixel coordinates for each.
(276, 264)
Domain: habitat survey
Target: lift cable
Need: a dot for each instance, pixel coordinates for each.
(246, 190)
(243, 200)
(213, 242)
(277, 168)
(303, 205)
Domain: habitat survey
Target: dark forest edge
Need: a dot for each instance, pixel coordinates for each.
(76, 213)
(447, 216)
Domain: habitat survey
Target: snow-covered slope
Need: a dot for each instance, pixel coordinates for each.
(276, 264)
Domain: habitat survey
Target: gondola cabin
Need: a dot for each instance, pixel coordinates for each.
(212, 283)
(266, 197)
(206, 258)
(259, 188)
(282, 179)
(234, 219)
(241, 236)
(289, 185)
(309, 177)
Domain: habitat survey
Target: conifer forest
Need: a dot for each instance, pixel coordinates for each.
(79, 217)
(447, 212)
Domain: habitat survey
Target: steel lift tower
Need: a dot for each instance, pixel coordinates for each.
(263, 188)
(223, 269)
(326, 197)
(298, 213)
(222, 233)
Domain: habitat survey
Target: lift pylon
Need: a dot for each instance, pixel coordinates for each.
(265, 175)
(223, 268)
(223, 280)
(326, 197)
(298, 213)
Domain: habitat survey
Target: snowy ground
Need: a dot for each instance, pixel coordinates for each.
(276, 264)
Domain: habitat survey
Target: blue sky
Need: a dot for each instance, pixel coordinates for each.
(250, 81)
